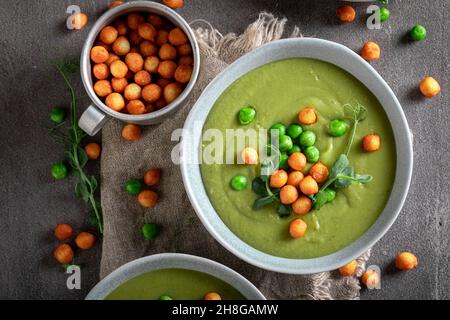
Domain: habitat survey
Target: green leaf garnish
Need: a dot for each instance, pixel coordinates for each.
(284, 211)
(320, 199)
(342, 173)
(263, 201)
(259, 187)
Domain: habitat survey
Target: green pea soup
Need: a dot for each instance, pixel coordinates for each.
(278, 91)
(179, 284)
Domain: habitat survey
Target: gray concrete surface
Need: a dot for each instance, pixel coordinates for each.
(32, 37)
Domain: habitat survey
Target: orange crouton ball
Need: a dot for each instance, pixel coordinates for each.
(93, 150)
(108, 35)
(370, 279)
(406, 261)
(102, 88)
(134, 61)
(297, 161)
(319, 172)
(167, 69)
(346, 13)
(307, 116)
(85, 240)
(136, 107)
(184, 50)
(101, 71)
(133, 20)
(152, 177)
(118, 69)
(349, 269)
(177, 37)
(115, 4)
(99, 54)
(151, 64)
(167, 52)
(309, 186)
(115, 101)
(142, 78)
(63, 254)
(183, 73)
(174, 4)
(212, 296)
(302, 205)
(119, 84)
(278, 179)
(297, 228)
(131, 132)
(370, 51)
(121, 27)
(132, 92)
(186, 60)
(162, 37)
(121, 46)
(371, 143)
(288, 194)
(156, 21)
(172, 91)
(294, 178)
(79, 20)
(148, 49)
(148, 198)
(249, 155)
(151, 93)
(63, 232)
(429, 87)
(147, 31)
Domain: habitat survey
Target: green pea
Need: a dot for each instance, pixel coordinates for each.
(418, 32)
(150, 231)
(283, 161)
(384, 14)
(247, 115)
(133, 186)
(285, 143)
(294, 131)
(59, 171)
(331, 194)
(279, 127)
(239, 183)
(165, 298)
(312, 154)
(58, 115)
(294, 149)
(338, 128)
(307, 138)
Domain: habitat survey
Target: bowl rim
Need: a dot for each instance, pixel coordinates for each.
(161, 261)
(108, 17)
(351, 62)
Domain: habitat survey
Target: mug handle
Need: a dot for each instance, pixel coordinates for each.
(92, 120)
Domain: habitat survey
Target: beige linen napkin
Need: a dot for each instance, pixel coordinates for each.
(181, 230)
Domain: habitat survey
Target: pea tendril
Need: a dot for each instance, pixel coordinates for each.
(77, 158)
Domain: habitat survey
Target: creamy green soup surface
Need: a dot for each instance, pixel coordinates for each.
(278, 91)
(179, 284)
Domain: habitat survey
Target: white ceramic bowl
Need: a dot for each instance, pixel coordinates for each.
(138, 267)
(346, 59)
